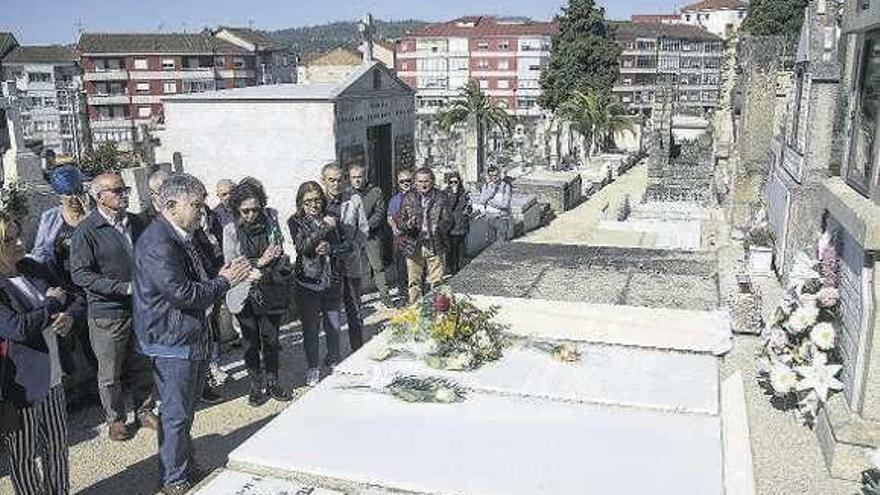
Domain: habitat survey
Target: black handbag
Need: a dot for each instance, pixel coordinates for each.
(10, 416)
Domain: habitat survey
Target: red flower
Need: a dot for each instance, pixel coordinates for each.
(441, 303)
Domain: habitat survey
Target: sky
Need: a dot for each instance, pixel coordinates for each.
(58, 21)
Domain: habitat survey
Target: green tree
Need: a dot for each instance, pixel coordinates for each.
(597, 118)
(105, 158)
(584, 56)
(775, 18)
(473, 106)
(611, 119)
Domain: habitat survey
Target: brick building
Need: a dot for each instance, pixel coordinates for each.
(504, 55)
(687, 57)
(127, 75)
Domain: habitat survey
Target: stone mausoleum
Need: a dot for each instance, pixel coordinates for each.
(283, 134)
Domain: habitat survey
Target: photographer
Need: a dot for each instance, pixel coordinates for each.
(320, 247)
(255, 234)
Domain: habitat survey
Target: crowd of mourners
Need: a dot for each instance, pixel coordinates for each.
(142, 300)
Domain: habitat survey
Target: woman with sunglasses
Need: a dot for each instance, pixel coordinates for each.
(34, 312)
(256, 235)
(460, 205)
(318, 273)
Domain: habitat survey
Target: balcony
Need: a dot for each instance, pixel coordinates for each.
(110, 123)
(179, 74)
(106, 75)
(234, 74)
(146, 99)
(108, 99)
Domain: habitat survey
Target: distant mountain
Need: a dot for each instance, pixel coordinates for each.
(314, 39)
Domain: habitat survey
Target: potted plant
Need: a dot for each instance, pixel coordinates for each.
(760, 242)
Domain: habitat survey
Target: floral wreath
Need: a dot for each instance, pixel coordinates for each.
(799, 362)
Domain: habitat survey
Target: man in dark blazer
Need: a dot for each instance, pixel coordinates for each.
(100, 262)
(173, 293)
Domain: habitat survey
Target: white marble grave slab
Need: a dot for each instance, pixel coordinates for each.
(671, 234)
(658, 328)
(488, 445)
(228, 482)
(628, 376)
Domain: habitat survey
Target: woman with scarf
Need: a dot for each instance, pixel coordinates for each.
(34, 311)
(318, 274)
(256, 235)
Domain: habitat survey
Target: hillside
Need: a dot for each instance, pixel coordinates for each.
(312, 39)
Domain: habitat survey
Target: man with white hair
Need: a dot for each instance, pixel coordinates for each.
(173, 294)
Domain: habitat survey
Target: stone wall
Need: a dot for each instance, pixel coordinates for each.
(687, 175)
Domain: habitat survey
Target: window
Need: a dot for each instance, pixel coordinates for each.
(168, 64)
(143, 87)
(140, 64)
(526, 103)
(64, 102)
(687, 18)
(484, 84)
(528, 84)
(169, 87)
(404, 66)
(482, 64)
(504, 45)
(198, 86)
(144, 111)
(238, 62)
(503, 64)
(220, 62)
(865, 122)
(49, 102)
(39, 77)
(456, 64)
(482, 45)
(503, 84)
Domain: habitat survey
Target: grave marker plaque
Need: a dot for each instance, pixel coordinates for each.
(850, 312)
(778, 202)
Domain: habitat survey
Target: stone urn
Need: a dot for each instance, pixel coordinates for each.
(760, 259)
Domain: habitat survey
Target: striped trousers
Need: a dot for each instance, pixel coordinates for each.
(38, 452)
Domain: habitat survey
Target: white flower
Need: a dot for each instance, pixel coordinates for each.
(777, 338)
(459, 361)
(820, 378)
(875, 458)
(802, 270)
(782, 379)
(823, 335)
(809, 405)
(803, 317)
(444, 395)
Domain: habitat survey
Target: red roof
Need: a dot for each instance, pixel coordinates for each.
(479, 26)
(705, 5)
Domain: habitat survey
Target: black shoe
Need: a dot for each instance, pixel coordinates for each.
(210, 396)
(178, 489)
(388, 302)
(256, 395)
(197, 474)
(275, 391)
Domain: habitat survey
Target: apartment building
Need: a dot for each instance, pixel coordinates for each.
(720, 17)
(275, 64)
(505, 56)
(687, 57)
(50, 79)
(127, 75)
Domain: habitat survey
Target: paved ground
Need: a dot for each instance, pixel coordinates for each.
(101, 467)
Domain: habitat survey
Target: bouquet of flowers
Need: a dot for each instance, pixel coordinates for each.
(455, 333)
(426, 389)
(798, 362)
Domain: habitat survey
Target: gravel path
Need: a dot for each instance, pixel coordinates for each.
(101, 467)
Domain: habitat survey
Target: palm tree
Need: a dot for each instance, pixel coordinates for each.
(580, 111)
(474, 105)
(611, 119)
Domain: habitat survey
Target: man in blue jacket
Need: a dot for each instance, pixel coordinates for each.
(173, 294)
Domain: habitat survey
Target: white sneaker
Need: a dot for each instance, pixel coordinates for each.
(219, 375)
(313, 376)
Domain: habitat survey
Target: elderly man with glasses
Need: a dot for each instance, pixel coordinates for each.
(100, 263)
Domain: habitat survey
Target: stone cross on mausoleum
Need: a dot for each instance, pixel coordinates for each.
(19, 163)
(368, 30)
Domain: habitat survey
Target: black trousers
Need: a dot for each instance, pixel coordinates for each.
(260, 332)
(456, 253)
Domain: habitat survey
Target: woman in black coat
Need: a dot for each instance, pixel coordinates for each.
(460, 205)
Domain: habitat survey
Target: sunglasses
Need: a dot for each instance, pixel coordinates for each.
(118, 190)
(453, 182)
(405, 181)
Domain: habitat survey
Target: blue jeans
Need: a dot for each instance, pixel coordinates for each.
(316, 308)
(179, 383)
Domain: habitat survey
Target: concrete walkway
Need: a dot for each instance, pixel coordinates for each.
(579, 225)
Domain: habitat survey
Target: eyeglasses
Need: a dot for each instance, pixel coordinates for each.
(453, 182)
(405, 181)
(119, 191)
